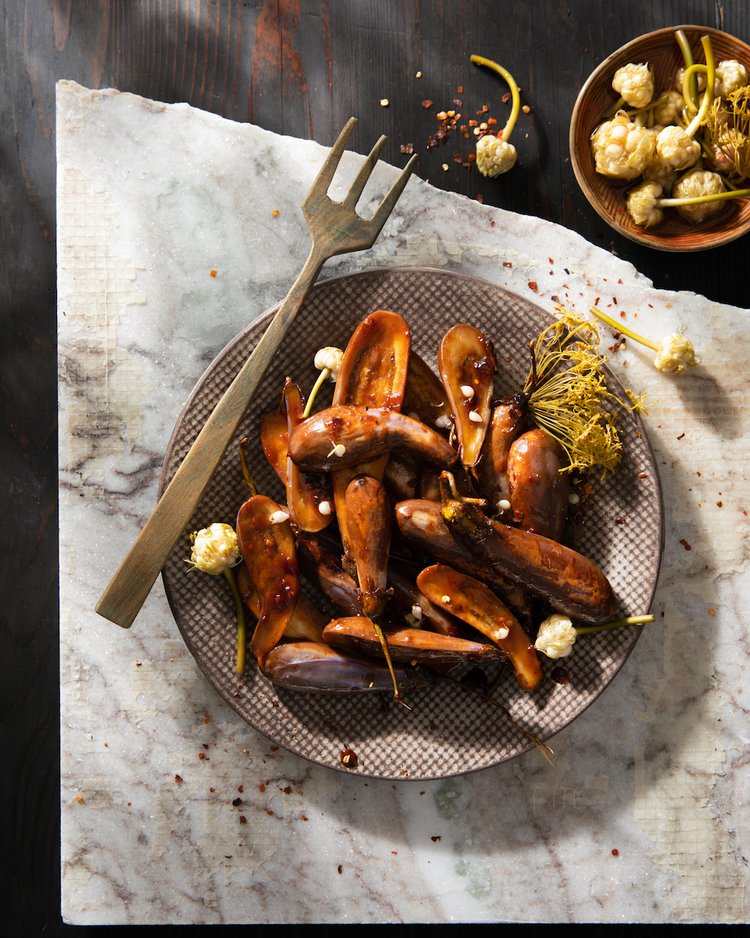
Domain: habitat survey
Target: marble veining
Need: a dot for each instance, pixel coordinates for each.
(173, 810)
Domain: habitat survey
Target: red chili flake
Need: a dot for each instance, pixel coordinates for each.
(394, 852)
(243, 819)
(698, 472)
(472, 157)
(240, 788)
(138, 664)
(596, 301)
(492, 121)
(269, 812)
(507, 264)
(274, 748)
(130, 804)
(615, 852)
(643, 475)
(685, 544)
(407, 148)
(532, 285)
(551, 260)
(493, 223)
(212, 790)
(620, 521)
(479, 198)
(212, 272)
(712, 612)
(287, 790)
(348, 758)
(261, 787)
(614, 300)
(436, 838)
(473, 123)
(202, 756)
(681, 436)
(178, 779)
(720, 504)
(206, 719)
(339, 869)
(623, 314)
(237, 802)
(427, 103)
(460, 89)
(506, 97)
(555, 298)
(304, 817)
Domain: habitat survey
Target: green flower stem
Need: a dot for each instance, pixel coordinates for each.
(313, 394)
(619, 327)
(239, 607)
(697, 199)
(708, 94)
(691, 98)
(515, 94)
(615, 624)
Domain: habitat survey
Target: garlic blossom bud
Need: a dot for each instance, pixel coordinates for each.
(642, 203)
(669, 108)
(329, 357)
(621, 148)
(676, 354)
(556, 636)
(730, 75)
(697, 183)
(676, 149)
(634, 84)
(495, 156)
(215, 548)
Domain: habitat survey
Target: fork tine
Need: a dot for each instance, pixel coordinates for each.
(364, 174)
(386, 206)
(328, 169)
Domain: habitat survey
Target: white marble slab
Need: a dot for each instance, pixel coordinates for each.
(644, 819)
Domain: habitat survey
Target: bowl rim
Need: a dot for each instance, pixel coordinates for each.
(652, 240)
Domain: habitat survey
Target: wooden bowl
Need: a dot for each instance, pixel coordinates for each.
(660, 50)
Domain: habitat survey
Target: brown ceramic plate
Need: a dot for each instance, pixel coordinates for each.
(449, 730)
(660, 50)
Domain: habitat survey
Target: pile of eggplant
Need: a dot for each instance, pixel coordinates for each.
(428, 512)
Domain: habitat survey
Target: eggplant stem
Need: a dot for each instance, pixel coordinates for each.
(386, 652)
(239, 608)
(245, 469)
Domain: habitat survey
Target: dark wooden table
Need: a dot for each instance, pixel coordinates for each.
(299, 67)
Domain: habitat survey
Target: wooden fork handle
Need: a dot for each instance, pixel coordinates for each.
(127, 590)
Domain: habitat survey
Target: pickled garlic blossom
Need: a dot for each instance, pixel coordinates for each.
(215, 549)
(642, 204)
(698, 182)
(621, 148)
(676, 149)
(668, 108)
(730, 75)
(635, 84)
(495, 156)
(556, 636)
(676, 354)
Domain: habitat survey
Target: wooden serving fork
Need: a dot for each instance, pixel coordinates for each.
(336, 228)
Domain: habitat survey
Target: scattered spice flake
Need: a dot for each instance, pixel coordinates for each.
(348, 758)
(274, 748)
(243, 819)
(138, 664)
(212, 272)
(304, 817)
(240, 788)
(394, 852)
(407, 148)
(427, 103)
(492, 121)
(436, 838)
(79, 799)
(681, 436)
(720, 504)
(178, 780)
(555, 298)
(203, 757)
(506, 97)
(712, 612)
(339, 869)
(615, 852)
(643, 475)
(532, 285)
(236, 802)
(526, 109)
(460, 89)
(212, 790)
(269, 812)
(551, 260)
(623, 314)
(262, 787)
(275, 213)
(479, 198)
(507, 263)
(287, 790)
(206, 719)
(685, 544)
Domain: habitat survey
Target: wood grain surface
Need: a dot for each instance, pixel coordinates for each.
(299, 67)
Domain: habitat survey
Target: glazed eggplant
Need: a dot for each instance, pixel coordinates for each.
(317, 668)
(467, 368)
(425, 396)
(357, 635)
(507, 423)
(474, 603)
(368, 512)
(306, 621)
(307, 494)
(570, 582)
(349, 435)
(267, 546)
(538, 490)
